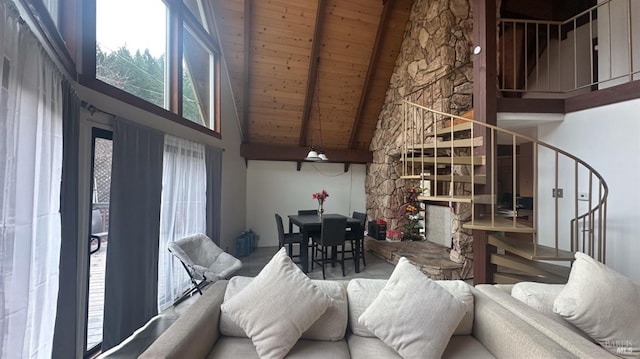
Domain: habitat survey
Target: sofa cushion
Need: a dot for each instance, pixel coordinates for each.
(409, 306)
(369, 347)
(242, 348)
(540, 296)
(361, 293)
(277, 306)
(459, 347)
(567, 340)
(331, 325)
(466, 346)
(603, 304)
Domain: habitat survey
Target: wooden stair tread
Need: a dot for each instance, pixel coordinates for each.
(467, 115)
(447, 161)
(466, 126)
(460, 199)
(513, 278)
(484, 199)
(525, 249)
(500, 224)
(531, 267)
(465, 142)
(478, 179)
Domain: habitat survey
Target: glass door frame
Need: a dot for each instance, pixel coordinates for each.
(96, 132)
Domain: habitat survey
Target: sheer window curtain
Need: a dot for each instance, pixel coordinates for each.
(183, 211)
(30, 173)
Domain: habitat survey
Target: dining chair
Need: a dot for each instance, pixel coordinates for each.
(332, 234)
(353, 236)
(310, 212)
(288, 240)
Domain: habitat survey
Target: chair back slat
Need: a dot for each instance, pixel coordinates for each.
(362, 217)
(280, 230)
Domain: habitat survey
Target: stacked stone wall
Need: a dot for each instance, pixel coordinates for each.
(433, 69)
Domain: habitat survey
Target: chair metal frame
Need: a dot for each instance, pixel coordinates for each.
(195, 273)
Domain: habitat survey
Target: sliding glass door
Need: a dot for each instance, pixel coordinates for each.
(98, 236)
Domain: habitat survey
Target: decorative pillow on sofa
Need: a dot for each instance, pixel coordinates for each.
(413, 314)
(361, 292)
(277, 306)
(540, 296)
(603, 304)
(331, 325)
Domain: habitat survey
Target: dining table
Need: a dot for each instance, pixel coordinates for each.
(310, 224)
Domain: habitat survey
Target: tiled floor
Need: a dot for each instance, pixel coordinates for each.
(376, 267)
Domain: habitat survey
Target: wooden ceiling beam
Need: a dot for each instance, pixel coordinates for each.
(265, 152)
(373, 63)
(312, 76)
(246, 68)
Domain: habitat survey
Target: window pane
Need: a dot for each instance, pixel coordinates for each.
(131, 46)
(197, 80)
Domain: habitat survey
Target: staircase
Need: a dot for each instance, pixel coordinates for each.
(530, 238)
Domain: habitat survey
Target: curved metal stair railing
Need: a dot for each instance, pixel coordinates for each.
(446, 151)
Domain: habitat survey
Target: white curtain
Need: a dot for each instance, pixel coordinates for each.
(183, 211)
(30, 173)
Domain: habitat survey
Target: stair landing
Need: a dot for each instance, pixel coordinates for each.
(528, 250)
(431, 258)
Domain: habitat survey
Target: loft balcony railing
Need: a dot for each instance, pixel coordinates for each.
(594, 49)
(445, 149)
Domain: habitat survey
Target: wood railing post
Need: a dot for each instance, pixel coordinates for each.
(485, 103)
(483, 270)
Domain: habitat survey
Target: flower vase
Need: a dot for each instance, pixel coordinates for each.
(320, 209)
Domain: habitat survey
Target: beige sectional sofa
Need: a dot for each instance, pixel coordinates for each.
(540, 316)
(489, 329)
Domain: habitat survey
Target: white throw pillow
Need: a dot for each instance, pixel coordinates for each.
(540, 296)
(361, 292)
(331, 325)
(413, 314)
(602, 303)
(277, 306)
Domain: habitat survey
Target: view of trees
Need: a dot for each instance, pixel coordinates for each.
(142, 75)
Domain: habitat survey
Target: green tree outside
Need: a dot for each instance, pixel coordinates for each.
(142, 75)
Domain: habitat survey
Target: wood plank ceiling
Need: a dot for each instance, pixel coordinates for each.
(310, 72)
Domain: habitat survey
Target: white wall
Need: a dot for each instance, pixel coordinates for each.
(608, 138)
(613, 44)
(234, 172)
(277, 187)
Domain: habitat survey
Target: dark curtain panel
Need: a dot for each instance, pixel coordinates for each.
(131, 278)
(213, 160)
(64, 338)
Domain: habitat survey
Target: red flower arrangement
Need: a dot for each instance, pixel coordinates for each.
(321, 196)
